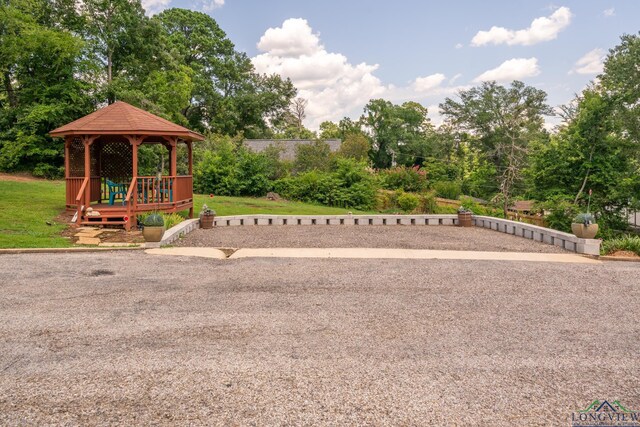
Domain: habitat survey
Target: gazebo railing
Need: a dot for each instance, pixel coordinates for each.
(166, 190)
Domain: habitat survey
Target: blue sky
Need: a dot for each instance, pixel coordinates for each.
(340, 54)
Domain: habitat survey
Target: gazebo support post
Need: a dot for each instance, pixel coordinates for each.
(135, 142)
(190, 155)
(67, 144)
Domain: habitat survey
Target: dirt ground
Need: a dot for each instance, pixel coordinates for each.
(131, 339)
(19, 177)
(334, 236)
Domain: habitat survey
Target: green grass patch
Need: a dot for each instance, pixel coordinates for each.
(224, 205)
(624, 243)
(25, 209)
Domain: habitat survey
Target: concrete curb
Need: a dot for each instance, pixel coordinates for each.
(67, 250)
(423, 254)
(174, 233)
(618, 258)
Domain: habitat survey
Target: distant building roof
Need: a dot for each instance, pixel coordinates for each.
(522, 206)
(288, 145)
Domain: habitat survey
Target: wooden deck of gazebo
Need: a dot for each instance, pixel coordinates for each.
(101, 166)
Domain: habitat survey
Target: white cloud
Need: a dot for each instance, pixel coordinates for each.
(590, 63)
(453, 79)
(541, 29)
(609, 12)
(433, 113)
(155, 6)
(333, 86)
(512, 69)
(459, 46)
(209, 5)
(293, 39)
(424, 84)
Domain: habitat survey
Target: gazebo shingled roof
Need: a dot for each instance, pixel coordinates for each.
(121, 118)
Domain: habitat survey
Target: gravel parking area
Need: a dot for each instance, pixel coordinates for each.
(133, 339)
(327, 236)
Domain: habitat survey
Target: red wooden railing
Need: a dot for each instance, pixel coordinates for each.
(167, 191)
(81, 198)
(73, 188)
(130, 201)
(184, 188)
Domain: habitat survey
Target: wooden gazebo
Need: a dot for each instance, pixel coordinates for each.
(101, 166)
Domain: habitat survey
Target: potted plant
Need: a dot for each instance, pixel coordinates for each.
(153, 227)
(584, 226)
(464, 217)
(207, 215)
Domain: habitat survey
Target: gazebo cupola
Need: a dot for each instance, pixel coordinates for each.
(101, 165)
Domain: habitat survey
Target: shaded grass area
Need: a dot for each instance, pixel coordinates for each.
(224, 205)
(25, 209)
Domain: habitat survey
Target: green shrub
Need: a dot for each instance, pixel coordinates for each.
(584, 218)
(561, 212)
(154, 220)
(448, 189)
(391, 201)
(408, 202)
(48, 171)
(469, 204)
(172, 219)
(404, 178)
(349, 186)
(428, 204)
(229, 172)
(624, 243)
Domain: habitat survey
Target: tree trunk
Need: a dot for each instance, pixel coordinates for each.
(109, 66)
(11, 95)
(586, 177)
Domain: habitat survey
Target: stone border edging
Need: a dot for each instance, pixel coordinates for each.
(564, 240)
(235, 220)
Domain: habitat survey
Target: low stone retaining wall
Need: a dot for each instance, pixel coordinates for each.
(546, 235)
(228, 221)
(528, 231)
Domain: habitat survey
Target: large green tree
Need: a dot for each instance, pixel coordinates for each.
(38, 65)
(227, 96)
(501, 123)
(398, 133)
(621, 83)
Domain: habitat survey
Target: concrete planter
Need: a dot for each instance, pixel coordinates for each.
(153, 234)
(584, 231)
(206, 221)
(465, 219)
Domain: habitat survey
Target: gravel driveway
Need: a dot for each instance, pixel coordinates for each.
(327, 236)
(131, 339)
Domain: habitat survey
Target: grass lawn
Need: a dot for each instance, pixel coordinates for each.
(26, 207)
(224, 205)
